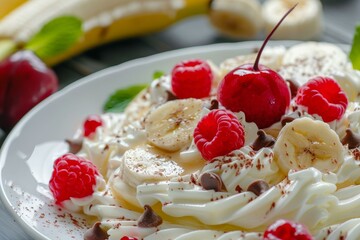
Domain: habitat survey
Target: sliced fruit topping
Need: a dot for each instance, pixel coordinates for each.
(323, 96)
(305, 143)
(287, 230)
(259, 92)
(72, 177)
(170, 126)
(191, 79)
(218, 133)
(91, 123)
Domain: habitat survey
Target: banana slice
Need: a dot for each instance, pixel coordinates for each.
(138, 108)
(304, 23)
(306, 60)
(236, 18)
(142, 166)
(170, 126)
(305, 143)
(271, 57)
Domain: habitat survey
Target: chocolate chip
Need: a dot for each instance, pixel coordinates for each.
(211, 181)
(294, 86)
(96, 233)
(289, 118)
(263, 140)
(352, 139)
(149, 218)
(214, 104)
(258, 187)
(170, 96)
(75, 145)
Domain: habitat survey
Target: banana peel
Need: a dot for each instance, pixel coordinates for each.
(130, 25)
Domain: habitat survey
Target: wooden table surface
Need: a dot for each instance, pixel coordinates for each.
(341, 17)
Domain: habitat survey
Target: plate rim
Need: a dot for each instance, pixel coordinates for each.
(33, 232)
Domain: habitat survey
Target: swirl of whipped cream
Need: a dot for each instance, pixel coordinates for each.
(171, 232)
(111, 140)
(349, 230)
(303, 197)
(242, 167)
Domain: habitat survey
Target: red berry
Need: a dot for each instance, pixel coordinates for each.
(91, 123)
(191, 79)
(218, 133)
(323, 96)
(287, 230)
(261, 94)
(72, 176)
(128, 238)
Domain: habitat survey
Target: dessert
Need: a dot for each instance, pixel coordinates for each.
(300, 170)
(192, 169)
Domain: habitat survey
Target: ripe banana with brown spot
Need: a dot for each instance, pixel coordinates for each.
(140, 166)
(305, 143)
(170, 127)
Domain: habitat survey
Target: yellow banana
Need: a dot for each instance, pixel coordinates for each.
(103, 21)
(9, 5)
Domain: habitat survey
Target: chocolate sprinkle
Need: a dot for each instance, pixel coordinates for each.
(352, 139)
(149, 218)
(263, 140)
(211, 181)
(214, 104)
(170, 96)
(75, 145)
(96, 233)
(289, 118)
(258, 187)
(294, 86)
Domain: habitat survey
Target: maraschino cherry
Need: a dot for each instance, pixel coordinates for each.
(261, 93)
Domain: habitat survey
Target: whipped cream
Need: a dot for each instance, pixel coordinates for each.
(138, 173)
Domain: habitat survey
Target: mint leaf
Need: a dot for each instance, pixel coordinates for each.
(158, 74)
(56, 36)
(119, 100)
(355, 49)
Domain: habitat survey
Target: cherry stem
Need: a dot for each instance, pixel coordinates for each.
(256, 64)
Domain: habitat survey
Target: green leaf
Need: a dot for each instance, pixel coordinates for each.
(158, 74)
(355, 49)
(119, 100)
(56, 36)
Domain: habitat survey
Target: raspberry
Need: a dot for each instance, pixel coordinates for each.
(323, 96)
(191, 79)
(72, 176)
(91, 123)
(128, 238)
(287, 230)
(218, 133)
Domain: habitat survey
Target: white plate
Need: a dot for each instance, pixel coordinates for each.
(28, 153)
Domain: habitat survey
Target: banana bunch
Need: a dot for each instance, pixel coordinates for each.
(105, 21)
(102, 21)
(305, 143)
